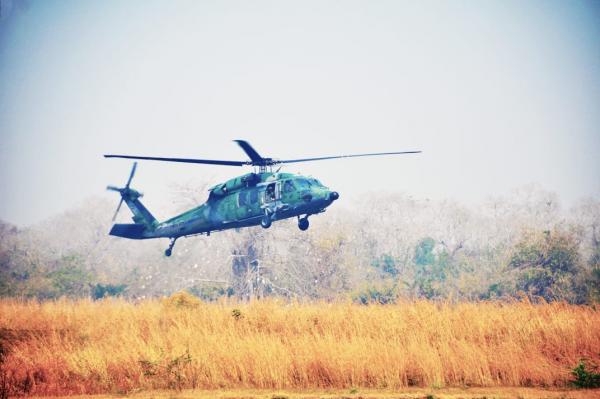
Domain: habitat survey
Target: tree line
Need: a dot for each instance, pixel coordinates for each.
(377, 249)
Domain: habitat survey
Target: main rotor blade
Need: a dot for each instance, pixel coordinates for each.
(348, 156)
(118, 209)
(249, 150)
(183, 160)
(131, 174)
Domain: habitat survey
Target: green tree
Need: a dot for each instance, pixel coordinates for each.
(70, 279)
(431, 268)
(383, 293)
(594, 280)
(387, 264)
(424, 255)
(100, 291)
(546, 263)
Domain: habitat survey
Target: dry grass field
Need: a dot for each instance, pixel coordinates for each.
(405, 393)
(114, 346)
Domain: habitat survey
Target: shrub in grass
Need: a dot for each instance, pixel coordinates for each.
(584, 377)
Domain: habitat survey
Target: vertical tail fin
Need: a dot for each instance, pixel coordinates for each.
(141, 215)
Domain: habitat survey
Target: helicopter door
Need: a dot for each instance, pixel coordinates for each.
(244, 208)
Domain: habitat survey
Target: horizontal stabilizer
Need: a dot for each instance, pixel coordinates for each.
(132, 230)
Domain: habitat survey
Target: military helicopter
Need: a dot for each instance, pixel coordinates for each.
(260, 197)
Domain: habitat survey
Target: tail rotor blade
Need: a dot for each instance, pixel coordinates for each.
(118, 209)
(124, 191)
(131, 174)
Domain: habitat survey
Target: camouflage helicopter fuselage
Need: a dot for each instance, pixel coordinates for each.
(247, 200)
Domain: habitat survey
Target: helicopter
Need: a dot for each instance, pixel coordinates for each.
(260, 197)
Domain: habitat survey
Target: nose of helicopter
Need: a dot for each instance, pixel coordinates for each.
(334, 195)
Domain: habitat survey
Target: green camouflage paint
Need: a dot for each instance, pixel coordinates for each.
(243, 201)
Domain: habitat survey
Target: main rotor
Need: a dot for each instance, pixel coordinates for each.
(256, 160)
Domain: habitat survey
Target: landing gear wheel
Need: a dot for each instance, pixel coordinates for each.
(303, 223)
(169, 250)
(265, 222)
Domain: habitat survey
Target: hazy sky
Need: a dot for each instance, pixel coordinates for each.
(496, 94)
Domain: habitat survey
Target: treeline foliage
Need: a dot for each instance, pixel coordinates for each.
(376, 250)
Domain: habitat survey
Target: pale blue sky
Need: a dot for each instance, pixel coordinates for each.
(496, 94)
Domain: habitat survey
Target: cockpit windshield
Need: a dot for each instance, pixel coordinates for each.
(306, 183)
(315, 182)
(302, 184)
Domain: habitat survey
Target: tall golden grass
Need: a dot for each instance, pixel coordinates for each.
(68, 347)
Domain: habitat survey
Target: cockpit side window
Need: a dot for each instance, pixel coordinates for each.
(302, 184)
(288, 186)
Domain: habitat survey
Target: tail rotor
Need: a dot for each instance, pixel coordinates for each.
(124, 191)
